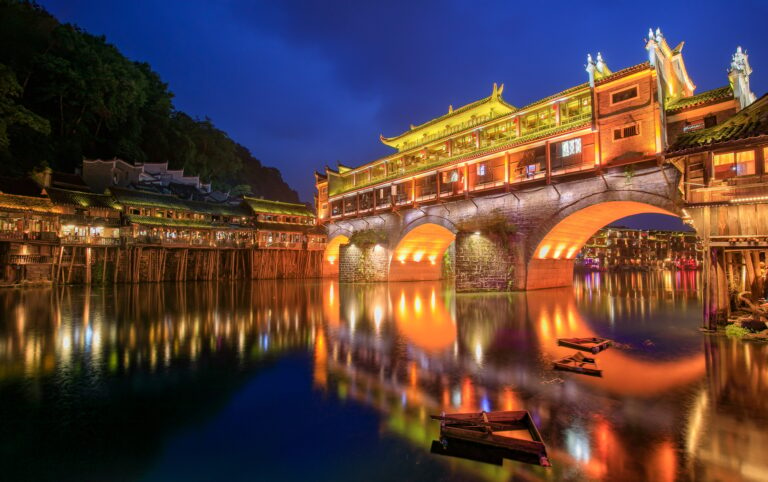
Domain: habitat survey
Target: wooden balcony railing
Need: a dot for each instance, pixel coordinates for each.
(27, 259)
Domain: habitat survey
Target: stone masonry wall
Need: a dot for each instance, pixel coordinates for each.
(485, 262)
(363, 264)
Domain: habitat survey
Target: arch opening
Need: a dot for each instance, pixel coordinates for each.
(419, 254)
(552, 261)
(331, 256)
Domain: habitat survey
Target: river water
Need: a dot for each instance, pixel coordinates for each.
(286, 380)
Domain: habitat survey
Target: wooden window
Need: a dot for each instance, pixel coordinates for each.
(732, 164)
(624, 95)
(626, 131)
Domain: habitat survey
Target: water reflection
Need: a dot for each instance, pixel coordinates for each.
(672, 402)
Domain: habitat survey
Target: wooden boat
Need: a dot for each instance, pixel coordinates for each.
(512, 435)
(593, 344)
(578, 363)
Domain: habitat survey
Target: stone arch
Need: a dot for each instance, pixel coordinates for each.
(552, 247)
(418, 252)
(331, 253)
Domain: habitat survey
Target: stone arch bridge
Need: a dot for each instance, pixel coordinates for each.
(509, 240)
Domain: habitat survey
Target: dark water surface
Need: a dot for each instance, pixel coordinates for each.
(324, 382)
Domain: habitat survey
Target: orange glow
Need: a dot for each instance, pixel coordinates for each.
(622, 373)
(429, 327)
(428, 241)
(549, 268)
(331, 254)
(577, 228)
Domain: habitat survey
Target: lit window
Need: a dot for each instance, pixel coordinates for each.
(570, 147)
(731, 164)
(481, 169)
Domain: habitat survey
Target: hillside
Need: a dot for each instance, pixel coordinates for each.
(66, 95)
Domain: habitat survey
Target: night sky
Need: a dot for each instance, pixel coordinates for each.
(305, 84)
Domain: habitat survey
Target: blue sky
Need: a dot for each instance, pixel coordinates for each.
(305, 84)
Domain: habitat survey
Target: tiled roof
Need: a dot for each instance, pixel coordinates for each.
(623, 73)
(132, 197)
(568, 91)
(177, 223)
(711, 96)
(81, 199)
(296, 228)
(277, 207)
(26, 203)
(750, 122)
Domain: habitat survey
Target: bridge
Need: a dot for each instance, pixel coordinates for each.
(522, 239)
(503, 198)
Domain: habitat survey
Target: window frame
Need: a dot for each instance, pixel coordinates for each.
(624, 89)
(621, 129)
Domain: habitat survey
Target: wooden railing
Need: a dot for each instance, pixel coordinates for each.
(27, 259)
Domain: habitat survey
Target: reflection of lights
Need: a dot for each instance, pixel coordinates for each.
(577, 443)
(432, 258)
(401, 258)
(695, 421)
(570, 253)
(417, 304)
(418, 255)
(543, 252)
(331, 259)
(479, 353)
(378, 315)
(456, 397)
(485, 404)
(558, 251)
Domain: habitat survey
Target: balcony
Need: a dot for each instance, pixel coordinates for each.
(22, 259)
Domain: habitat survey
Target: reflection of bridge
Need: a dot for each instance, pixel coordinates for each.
(504, 198)
(493, 354)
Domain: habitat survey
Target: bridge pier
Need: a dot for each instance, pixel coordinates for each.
(488, 262)
(363, 263)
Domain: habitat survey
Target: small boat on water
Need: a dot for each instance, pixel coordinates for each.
(593, 344)
(578, 363)
(491, 436)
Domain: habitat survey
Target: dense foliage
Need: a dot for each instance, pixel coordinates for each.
(66, 95)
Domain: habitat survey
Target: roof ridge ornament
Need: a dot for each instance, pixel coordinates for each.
(738, 76)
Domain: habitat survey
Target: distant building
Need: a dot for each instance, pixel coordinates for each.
(100, 175)
(636, 249)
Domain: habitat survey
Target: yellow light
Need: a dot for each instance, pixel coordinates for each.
(432, 258)
(331, 259)
(401, 258)
(418, 255)
(558, 251)
(570, 253)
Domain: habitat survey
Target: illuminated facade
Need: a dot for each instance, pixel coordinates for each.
(615, 118)
(50, 234)
(554, 171)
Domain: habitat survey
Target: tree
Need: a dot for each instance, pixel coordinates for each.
(13, 113)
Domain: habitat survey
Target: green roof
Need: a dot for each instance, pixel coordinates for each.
(711, 96)
(750, 122)
(132, 197)
(26, 203)
(81, 199)
(277, 207)
(177, 223)
(297, 228)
